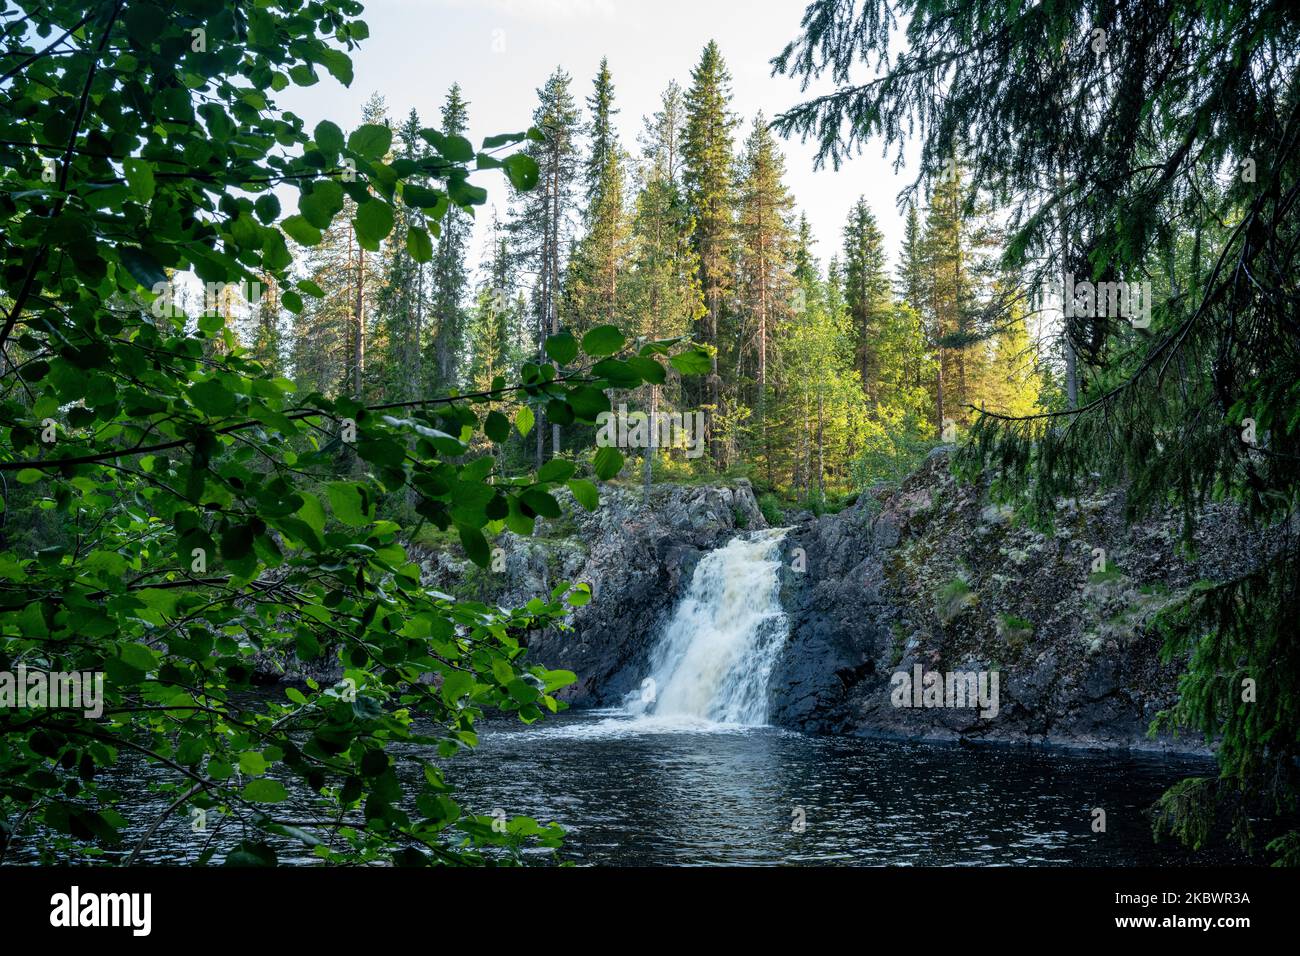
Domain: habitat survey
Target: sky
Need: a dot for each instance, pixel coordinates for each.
(501, 51)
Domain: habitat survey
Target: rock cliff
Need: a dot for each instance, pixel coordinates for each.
(927, 574)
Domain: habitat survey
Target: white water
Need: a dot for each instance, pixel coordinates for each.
(712, 664)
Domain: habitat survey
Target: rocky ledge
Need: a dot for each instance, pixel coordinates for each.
(637, 554)
(927, 575)
(932, 575)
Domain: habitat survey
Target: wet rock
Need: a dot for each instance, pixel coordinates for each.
(934, 573)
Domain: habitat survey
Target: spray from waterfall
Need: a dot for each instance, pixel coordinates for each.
(716, 655)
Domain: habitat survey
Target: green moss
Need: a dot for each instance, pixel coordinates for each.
(771, 508)
(953, 598)
(1015, 631)
(900, 644)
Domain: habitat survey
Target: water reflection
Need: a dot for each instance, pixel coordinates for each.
(632, 791)
(654, 791)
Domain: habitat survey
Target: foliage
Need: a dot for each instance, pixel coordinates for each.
(210, 515)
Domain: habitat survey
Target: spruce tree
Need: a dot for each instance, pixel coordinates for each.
(765, 263)
(450, 273)
(866, 291)
(543, 221)
(664, 295)
(707, 149)
(602, 136)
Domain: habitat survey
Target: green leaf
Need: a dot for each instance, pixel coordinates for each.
(562, 347)
(328, 137)
(649, 369)
(602, 340)
(696, 361)
(301, 231)
(265, 790)
(541, 502)
(554, 680)
(267, 207)
(607, 462)
(585, 493)
(139, 177)
(455, 148)
(370, 141)
(213, 399)
(557, 469)
(312, 512)
(419, 244)
(142, 266)
(503, 139)
(497, 427)
(476, 546)
(338, 63)
(320, 205)
(348, 502)
(588, 402)
(524, 420)
(374, 222)
(521, 169)
(617, 372)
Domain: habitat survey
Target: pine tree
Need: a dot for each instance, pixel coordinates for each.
(322, 332)
(494, 334)
(819, 398)
(373, 112)
(402, 301)
(543, 221)
(601, 133)
(948, 284)
(866, 290)
(707, 150)
(911, 287)
(765, 263)
(664, 292)
(450, 274)
(267, 339)
(594, 294)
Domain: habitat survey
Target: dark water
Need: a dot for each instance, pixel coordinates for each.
(629, 796)
(639, 792)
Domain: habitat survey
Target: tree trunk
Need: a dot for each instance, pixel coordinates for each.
(358, 323)
(652, 444)
(1071, 362)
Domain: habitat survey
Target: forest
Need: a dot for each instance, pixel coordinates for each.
(824, 377)
(248, 364)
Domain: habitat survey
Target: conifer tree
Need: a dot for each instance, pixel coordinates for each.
(450, 273)
(602, 136)
(402, 299)
(543, 222)
(665, 295)
(707, 149)
(765, 263)
(866, 291)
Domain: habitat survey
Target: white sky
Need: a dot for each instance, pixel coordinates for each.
(501, 51)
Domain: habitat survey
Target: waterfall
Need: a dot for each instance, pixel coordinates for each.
(714, 658)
